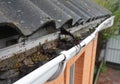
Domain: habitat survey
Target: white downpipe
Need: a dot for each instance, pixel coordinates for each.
(65, 56)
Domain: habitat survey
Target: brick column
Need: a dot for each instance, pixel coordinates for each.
(93, 60)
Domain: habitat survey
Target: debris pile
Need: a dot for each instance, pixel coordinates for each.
(18, 66)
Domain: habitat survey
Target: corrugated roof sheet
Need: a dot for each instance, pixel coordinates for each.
(113, 50)
(27, 16)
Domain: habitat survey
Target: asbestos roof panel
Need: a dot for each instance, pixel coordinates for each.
(27, 16)
(23, 14)
(113, 50)
(102, 11)
(76, 18)
(3, 18)
(82, 6)
(89, 7)
(60, 16)
(75, 9)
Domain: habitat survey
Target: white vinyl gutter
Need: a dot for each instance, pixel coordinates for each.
(54, 68)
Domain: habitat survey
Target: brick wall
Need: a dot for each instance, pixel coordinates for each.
(84, 66)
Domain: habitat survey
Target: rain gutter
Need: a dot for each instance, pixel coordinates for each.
(55, 67)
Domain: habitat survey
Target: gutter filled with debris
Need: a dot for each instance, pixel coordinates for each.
(18, 60)
(52, 69)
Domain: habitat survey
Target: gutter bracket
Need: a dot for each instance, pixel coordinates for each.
(60, 69)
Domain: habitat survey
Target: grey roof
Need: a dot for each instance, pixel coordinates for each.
(113, 50)
(27, 16)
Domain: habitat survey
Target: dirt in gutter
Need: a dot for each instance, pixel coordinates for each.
(16, 67)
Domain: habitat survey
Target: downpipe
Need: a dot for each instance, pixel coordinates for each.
(37, 75)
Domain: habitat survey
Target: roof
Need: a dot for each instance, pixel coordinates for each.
(27, 16)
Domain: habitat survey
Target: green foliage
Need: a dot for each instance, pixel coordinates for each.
(114, 7)
(102, 69)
